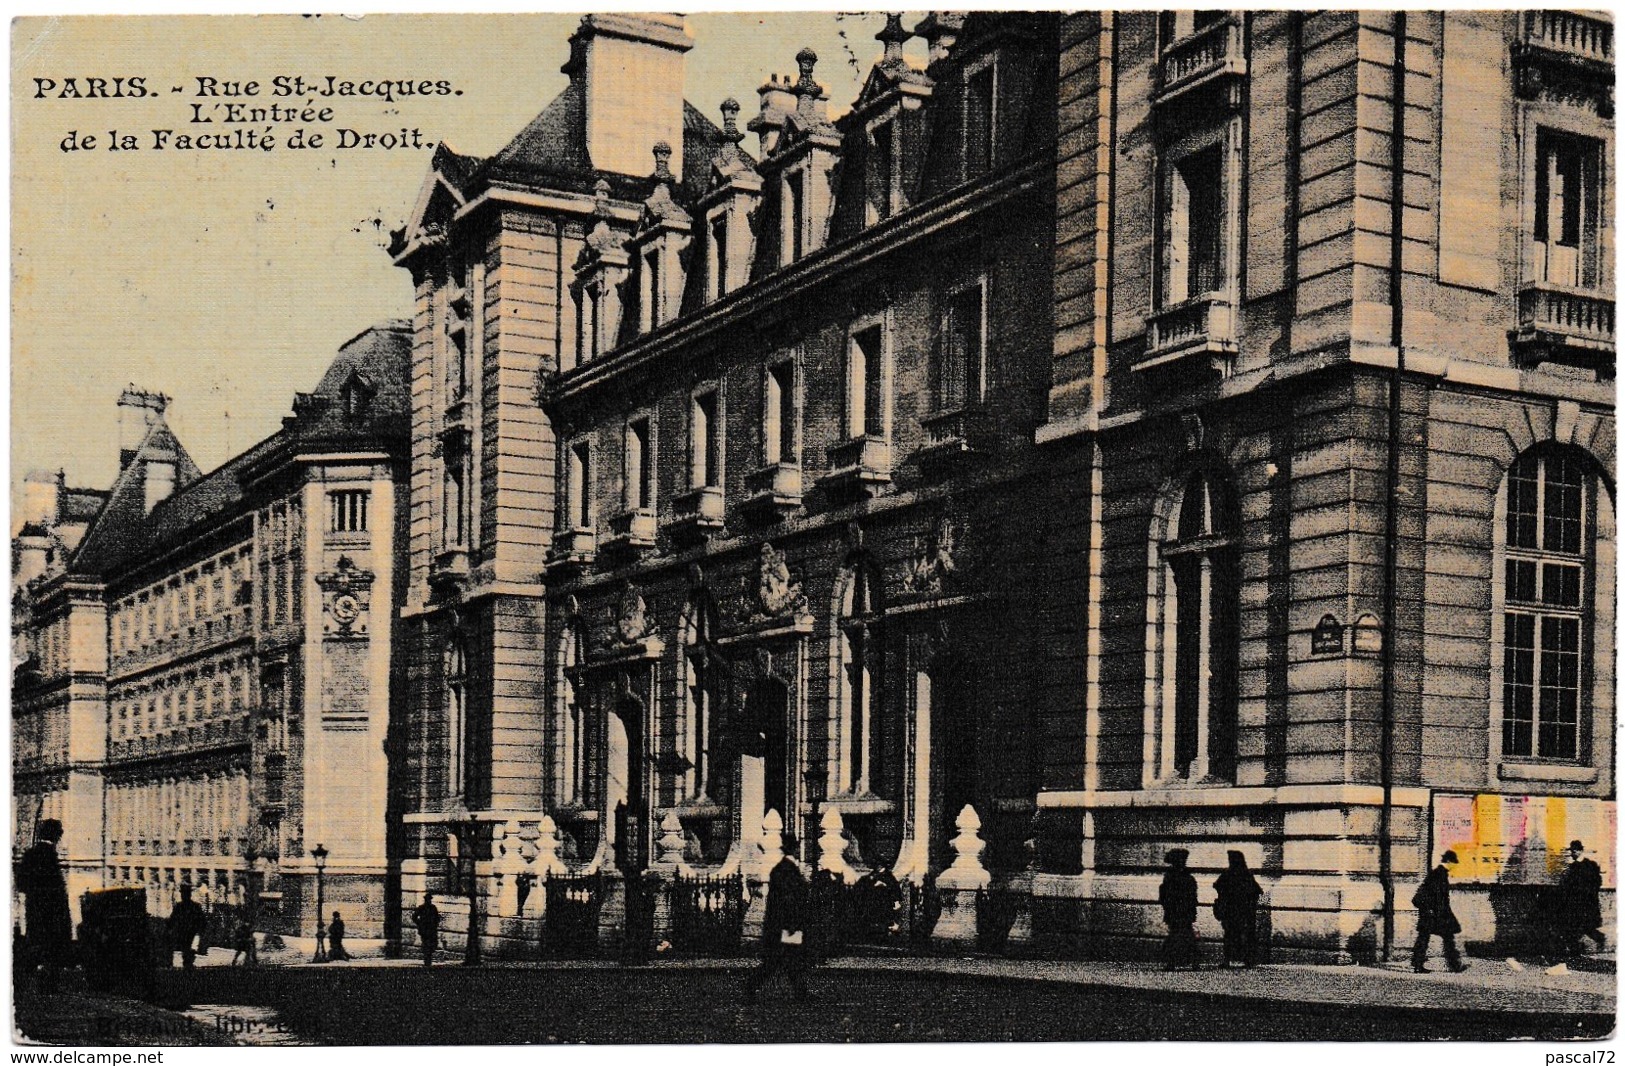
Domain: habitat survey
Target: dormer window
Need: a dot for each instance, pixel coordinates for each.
(719, 256)
(795, 217)
(652, 292)
(981, 96)
(589, 324)
(883, 179)
(355, 396)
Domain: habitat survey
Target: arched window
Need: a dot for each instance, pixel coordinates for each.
(456, 720)
(570, 726)
(1191, 717)
(1556, 572)
(856, 676)
(699, 691)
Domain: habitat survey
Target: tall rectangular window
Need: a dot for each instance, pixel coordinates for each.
(961, 372)
(719, 257)
(979, 121)
(779, 414)
(347, 511)
(1544, 586)
(1193, 249)
(705, 442)
(579, 490)
(1568, 192)
(640, 487)
(456, 489)
(865, 369)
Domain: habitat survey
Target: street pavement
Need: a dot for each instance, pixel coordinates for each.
(372, 999)
(1589, 987)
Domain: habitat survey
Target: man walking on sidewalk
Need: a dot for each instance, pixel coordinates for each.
(784, 927)
(1435, 918)
(1578, 893)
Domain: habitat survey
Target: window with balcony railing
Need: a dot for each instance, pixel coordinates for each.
(865, 372)
(705, 441)
(779, 443)
(961, 368)
(1193, 238)
(1568, 194)
(578, 490)
(640, 487)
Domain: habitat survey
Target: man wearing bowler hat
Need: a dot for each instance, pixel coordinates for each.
(1434, 918)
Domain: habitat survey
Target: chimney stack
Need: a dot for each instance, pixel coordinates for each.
(630, 69)
(777, 102)
(42, 494)
(138, 411)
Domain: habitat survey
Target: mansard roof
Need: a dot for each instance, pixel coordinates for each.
(124, 533)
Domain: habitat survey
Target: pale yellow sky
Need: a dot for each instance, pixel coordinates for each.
(227, 279)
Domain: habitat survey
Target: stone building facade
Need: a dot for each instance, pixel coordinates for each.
(720, 449)
(1335, 331)
(205, 675)
(1124, 431)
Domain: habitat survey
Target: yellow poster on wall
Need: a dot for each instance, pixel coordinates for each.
(1521, 840)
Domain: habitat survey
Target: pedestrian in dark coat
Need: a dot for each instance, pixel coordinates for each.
(243, 944)
(1579, 899)
(49, 928)
(1235, 905)
(1178, 898)
(1434, 918)
(784, 927)
(427, 920)
(186, 925)
(335, 940)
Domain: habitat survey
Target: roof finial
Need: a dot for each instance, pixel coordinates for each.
(730, 121)
(892, 35)
(806, 59)
(600, 192)
(662, 152)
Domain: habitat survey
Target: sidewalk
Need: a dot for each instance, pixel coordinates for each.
(1488, 985)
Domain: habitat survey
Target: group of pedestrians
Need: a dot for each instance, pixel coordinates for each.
(1235, 904)
(1572, 909)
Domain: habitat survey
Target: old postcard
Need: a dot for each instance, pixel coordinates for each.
(813, 527)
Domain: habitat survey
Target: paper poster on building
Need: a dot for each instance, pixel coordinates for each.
(1510, 839)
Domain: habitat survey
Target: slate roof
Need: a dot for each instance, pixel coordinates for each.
(123, 533)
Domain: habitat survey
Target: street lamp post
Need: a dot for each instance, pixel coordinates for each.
(466, 828)
(319, 853)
